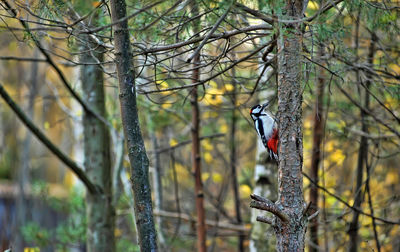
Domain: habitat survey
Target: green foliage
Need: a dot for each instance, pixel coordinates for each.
(70, 231)
(32, 232)
(126, 245)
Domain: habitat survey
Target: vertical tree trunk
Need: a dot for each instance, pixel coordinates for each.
(262, 237)
(196, 158)
(157, 183)
(362, 154)
(196, 163)
(234, 175)
(24, 171)
(130, 121)
(290, 234)
(316, 153)
(99, 208)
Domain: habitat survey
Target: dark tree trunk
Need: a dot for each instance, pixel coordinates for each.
(196, 164)
(130, 121)
(99, 208)
(362, 155)
(316, 153)
(196, 157)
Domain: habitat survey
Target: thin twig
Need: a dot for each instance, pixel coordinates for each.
(209, 35)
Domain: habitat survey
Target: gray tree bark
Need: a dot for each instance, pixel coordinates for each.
(290, 220)
(290, 234)
(24, 171)
(100, 211)
(130, 121)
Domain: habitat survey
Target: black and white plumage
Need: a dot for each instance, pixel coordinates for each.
(266, 128)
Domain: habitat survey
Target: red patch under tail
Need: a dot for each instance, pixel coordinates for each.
(272, 143)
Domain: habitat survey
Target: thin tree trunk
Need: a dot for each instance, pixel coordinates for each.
(265, 177)
(362, 156)
(371, 55)
(316, 153)
(130, 121)
(235, 185)
(24, 173)
(290, 234)
(196, 157)
(97, 160)
(158, 193)
(196, 164)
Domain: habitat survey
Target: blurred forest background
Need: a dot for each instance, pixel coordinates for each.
(54, 53)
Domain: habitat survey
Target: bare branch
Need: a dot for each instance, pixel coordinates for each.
(311, 217)
(267, 205)
(214, 37)
(79, 172)
(209, 35)
(348, 205)
(265, 219)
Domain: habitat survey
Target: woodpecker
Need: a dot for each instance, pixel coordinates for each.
(266, 128)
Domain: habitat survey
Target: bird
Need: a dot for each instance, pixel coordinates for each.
(266, 128)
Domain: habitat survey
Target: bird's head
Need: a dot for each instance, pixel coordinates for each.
(257, 110)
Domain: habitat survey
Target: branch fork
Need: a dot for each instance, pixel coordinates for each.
(262, 203)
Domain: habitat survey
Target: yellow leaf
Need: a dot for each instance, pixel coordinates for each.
(245, 190)
(213, 97)
(207, 145)
(78, 113)
(392, 178)
(205, 176)
(35, 249)
(313, 5)
(337, 156)
(229, 87)
(208, 157)
(217, 177)
(166, 105)
(46, 125)
(173, 142)
(330, 201)
(163, 85)
(223, 128)
(395, 68)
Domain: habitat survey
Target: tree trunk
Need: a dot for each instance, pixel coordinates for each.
(316, 154)
(24, 171)
(235, 185)
(158, 192)
(290, 234)
(196, 158)
(362, 155)
(97, 160)
(130, 121)
(262, 238)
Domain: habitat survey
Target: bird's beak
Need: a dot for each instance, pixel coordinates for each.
(265, 105)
